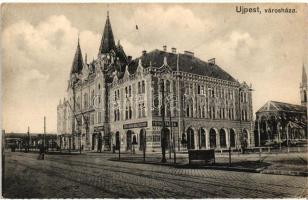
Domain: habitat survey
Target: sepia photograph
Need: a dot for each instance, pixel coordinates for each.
(154, 100)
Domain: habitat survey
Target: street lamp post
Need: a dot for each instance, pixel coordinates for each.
(163, 134)
(229, 137)
(259, 138)
(144, 145)
(44, 138)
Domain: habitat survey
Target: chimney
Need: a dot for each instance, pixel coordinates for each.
(129, 58)
(189, 53)
(165, 48)
(144, 52)
(211, 61)
(173, 50)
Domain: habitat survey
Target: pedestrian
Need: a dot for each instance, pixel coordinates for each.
(41, 152)
(113, 148)
(99, 146)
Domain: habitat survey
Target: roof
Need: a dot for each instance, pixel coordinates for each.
(19, 135)
(78, 61)
(187, 63)
(281, 106)
(107, 42)
(304, 76)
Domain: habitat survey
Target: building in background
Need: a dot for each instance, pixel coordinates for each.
(117, 101)
(283, 123)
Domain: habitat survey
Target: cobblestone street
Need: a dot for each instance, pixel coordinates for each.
(92, 175)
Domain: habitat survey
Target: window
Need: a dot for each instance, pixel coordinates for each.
(143, 110)
(78, 103)
(129, 91)
(203, 112)
(199, 90)
(85, 100)
(126, 113)
(126, 92)
(92, 97)
(130, 112)
(139, 110)
(210, 113)
(92, 119)
(143, 86)
(187, 111)
(167, 89)
(139, 88)
(99, 117)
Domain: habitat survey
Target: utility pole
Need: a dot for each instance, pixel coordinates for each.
(173, 140)
(144, 145)
(163, 134)
(229, 137)
(170, 133)
(44, 138)
(179, 100)
(259, 138)
(28, 139)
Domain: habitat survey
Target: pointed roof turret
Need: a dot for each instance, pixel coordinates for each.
(78, 60)
(107, 42)
(304, 77)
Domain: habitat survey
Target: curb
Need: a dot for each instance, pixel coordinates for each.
(261, 170)
(147, 162)
(284, 172)
(258, 170)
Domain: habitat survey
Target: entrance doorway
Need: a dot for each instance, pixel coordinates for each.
(190, 139)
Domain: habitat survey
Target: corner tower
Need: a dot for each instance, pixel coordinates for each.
(303, 88)
(107, 41)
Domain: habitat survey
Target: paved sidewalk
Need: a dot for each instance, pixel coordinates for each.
(284, 163)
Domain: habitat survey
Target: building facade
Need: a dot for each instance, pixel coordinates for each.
(283, 123)
(117, 101)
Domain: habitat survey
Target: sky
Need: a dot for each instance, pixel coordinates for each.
(38, 42)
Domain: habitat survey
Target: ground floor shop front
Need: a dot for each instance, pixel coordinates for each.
(180, 135)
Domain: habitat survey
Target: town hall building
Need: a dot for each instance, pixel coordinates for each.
(121, 102)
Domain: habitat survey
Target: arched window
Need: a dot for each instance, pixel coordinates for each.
(85, 100)
(139, 87)
(143, 87)
(187, 111)
(130, 112)
(92, 97)
(78, 103)
(129, 91)
(222, 136)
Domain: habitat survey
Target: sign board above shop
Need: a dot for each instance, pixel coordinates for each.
(135, 125)
(98, 129)
(167, 123)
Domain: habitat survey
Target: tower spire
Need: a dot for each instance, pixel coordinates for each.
(78, 60)
(304, 88)
(107, 42)
(304, 76)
